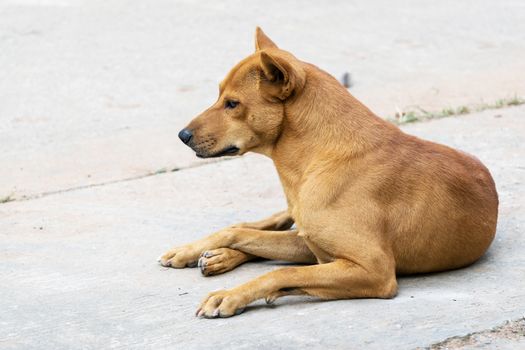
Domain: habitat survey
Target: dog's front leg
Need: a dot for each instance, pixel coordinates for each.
(220, 250)
(340, 279)
(220, 260)
(188, 255)
(246, 244)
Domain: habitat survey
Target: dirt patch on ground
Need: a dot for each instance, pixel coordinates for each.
(511, 330)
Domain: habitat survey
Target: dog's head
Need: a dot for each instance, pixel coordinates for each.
(249, 112)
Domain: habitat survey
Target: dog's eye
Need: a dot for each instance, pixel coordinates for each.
(230, 104)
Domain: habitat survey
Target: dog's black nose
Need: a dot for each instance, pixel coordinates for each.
(185, 135)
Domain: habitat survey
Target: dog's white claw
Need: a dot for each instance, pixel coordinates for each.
(216, 313)
(165, 264)
(202, 264)
(199, 312)
(207, 254)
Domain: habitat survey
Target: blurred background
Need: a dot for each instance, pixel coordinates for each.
(95, 91)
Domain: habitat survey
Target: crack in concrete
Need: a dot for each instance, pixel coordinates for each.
(510, 330)
(12, 198)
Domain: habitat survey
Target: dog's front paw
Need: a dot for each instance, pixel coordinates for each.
(224, 303)
(217, 261)
(180, 257)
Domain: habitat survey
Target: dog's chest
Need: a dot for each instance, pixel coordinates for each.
(291, 187)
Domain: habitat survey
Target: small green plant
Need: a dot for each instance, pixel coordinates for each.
(503, 102)
(416, 113)
(161, 171)
(409, 117)
(8, 198)
(447, 112)
(499, 104)
(515, 101)
(462, 110)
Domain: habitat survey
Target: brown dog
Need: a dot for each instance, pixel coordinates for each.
(368, 200)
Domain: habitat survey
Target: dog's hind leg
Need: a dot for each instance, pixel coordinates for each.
(339, 279)
(280, 221)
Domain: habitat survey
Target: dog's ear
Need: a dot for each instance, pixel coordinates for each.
(280, 77)
(262, 41)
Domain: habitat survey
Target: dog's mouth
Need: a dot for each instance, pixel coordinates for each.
(228, 151)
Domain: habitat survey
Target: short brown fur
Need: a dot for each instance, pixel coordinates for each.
(368, 201)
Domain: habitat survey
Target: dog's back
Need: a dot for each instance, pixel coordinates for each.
(441, 205)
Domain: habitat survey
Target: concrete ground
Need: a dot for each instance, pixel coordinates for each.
(92, 96)
(79, 270)
(94, 91)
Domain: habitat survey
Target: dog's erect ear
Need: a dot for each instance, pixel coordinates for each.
(280, 77)
(262, 41)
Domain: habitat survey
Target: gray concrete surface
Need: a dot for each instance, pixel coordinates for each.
(95, 91)
(78, 269)
(92, 95)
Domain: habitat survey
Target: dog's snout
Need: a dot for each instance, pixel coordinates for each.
(185, 135)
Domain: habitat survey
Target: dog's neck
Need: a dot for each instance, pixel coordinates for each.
(324, 120)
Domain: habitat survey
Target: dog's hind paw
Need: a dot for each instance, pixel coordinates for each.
(224, 303)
